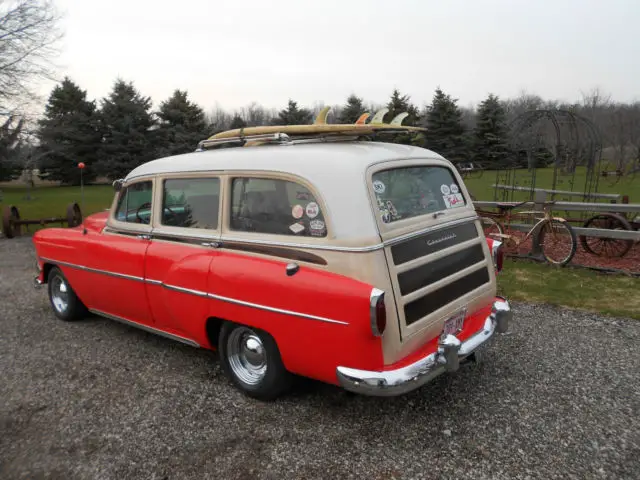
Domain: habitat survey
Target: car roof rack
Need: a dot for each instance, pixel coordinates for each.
(320, 130)
(241, 140)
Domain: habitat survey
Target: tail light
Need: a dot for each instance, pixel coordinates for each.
(498, 255)
(378, 312)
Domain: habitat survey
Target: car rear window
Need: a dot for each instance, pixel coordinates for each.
(413, 191)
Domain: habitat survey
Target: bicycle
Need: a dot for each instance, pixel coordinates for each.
(554, 235)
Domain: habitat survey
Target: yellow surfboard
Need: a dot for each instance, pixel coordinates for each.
(303, 130)
(321, 127)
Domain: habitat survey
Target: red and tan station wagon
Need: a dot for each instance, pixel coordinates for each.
(358, 263)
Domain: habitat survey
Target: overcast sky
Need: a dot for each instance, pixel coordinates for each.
(235, 52)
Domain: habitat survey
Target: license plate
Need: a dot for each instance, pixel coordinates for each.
(454, 323)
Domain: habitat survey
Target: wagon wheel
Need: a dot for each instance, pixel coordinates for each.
(607, 247)
(74, 215)
(10, 217)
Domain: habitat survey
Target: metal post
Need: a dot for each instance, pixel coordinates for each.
(539, 199)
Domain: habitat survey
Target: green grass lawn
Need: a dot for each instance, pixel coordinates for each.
(481, 187)
(48, 201)
(570, 287)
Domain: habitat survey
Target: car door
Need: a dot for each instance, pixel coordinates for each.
(114, 258)
(184, 242)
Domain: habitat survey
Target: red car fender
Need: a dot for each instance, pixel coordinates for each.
(319, 320)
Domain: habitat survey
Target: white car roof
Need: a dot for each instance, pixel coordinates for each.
(304, 159)
(336, 169)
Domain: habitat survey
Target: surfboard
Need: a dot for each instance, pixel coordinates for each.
(320, 127)
(304, 130)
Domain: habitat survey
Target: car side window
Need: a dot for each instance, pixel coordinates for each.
(134, 204)
(281, 207)
(191, 202)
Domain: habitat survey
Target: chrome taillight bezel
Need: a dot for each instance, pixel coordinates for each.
(376, 308)
(496, 253)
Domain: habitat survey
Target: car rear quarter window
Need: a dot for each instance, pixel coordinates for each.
(134, 204)
(274, 206)
(191, 203)
(407, 192)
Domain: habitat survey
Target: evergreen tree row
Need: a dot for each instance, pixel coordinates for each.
(122, 131)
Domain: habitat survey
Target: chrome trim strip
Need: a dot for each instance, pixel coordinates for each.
(275, 310)
(94, 270)
(336, 248)
(147, 328)
(272, 243)
(189, 236)
(199, 293)
(333, 248)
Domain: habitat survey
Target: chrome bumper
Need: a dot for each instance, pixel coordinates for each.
(447, 359)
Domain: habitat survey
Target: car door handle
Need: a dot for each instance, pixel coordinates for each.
(210, 244)
(144, 236)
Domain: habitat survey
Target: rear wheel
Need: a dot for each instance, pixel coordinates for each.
(607, 247)
(65, 303)
(251, 359)
(557, 241)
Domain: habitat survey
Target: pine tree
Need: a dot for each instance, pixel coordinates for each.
(127, 126)
(352, 110)
(182, 125)
(446, 133)
(491, 135)
(237, 122)
(68, 134)
(10, 148)
(401, 104)
(292, 115)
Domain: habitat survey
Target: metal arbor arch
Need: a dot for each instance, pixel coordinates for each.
(566, 145)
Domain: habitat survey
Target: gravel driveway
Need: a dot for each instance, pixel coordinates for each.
(558, 397)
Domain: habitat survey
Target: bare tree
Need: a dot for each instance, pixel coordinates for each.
(29, 39)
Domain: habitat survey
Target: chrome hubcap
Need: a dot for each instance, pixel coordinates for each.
(247, 355)
(59, 294)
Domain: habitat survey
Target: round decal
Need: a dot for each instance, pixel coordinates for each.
(379, 187)
(312, 210)
(317, 228)
(445, 189)
(297, 211)
(454, 188)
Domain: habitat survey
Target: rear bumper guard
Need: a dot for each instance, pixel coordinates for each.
(446, 359)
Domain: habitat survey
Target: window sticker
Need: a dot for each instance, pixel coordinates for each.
(317, 228)
(379, 187)
(454, 188)
(445, 189)
(392, 210)
(297, 211)
(302, 195)
(296, 227)
(384, 211)
(312, 210)
(453, 201)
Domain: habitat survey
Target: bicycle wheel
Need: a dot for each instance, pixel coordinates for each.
(607, 247)
(492, 228)
(557, 241)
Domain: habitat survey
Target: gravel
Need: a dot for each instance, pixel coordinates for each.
(557, 397)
